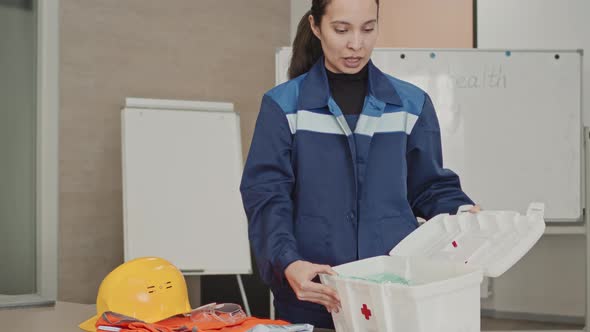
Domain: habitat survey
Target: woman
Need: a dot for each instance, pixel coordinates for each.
(343, 160)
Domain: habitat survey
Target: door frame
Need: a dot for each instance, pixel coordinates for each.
(47, 160)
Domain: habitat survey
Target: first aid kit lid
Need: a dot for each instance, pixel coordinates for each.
(491, 240)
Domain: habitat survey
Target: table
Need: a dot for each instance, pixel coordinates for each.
(63, 317)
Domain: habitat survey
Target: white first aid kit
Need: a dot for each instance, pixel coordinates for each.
(444, 261)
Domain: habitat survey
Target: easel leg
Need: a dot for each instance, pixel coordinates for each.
(244, 297)
(272, 306)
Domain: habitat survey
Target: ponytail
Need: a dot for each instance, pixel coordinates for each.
(307, 48)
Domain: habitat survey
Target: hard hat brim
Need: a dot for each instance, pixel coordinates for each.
(89, 325)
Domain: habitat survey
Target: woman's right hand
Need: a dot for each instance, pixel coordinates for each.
(300, 275)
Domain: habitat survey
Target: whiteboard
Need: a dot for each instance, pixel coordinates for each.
(181, 175)
(510, 121)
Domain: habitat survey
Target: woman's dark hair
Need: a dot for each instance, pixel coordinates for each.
(307, 48)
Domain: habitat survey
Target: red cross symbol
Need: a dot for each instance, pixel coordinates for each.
(366, 312)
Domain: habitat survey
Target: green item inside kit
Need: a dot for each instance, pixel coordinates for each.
(383, 278)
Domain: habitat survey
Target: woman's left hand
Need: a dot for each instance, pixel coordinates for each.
(475, 209)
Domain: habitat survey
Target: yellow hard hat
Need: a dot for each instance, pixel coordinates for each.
(150, 289)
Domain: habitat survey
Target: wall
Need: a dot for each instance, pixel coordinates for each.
(17, 148)
(547, 284)
(182, 49)
(298, 9)
(414, 23)
(426, 24)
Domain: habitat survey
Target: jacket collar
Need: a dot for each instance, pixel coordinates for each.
(315, 91)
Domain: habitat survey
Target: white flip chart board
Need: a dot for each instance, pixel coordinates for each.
(182, 164)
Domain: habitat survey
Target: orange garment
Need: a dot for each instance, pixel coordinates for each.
(180, 323)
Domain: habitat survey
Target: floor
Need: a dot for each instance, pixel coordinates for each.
(490, 324)
(65, 317)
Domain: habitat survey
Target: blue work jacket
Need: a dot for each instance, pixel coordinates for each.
(316, 190)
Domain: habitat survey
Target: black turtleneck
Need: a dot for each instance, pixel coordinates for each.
(349, 90)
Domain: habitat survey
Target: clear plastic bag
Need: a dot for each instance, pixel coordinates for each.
(282, 328)
(228, 313)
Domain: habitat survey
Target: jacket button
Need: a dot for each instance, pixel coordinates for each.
(351, 216)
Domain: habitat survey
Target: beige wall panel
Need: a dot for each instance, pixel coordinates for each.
(426, 23)
(415, 23)
(110, 49)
